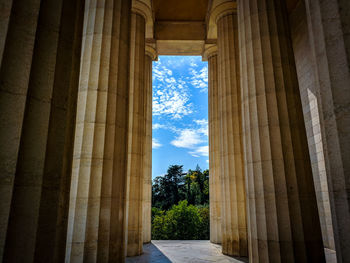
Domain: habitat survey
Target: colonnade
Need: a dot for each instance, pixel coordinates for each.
(282, 179)
(76, 133)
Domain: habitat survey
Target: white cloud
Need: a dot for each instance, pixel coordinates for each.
(193, 64)
(200, 151)
(203, 126)
(188, 138)
(193, 138)
(170, 96)
(207, 161)
(199, 79)
(155, 143)
(157, 126)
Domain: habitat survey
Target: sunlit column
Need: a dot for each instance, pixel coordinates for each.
(215, 192)
(150, 55)
(282, 210)
(136, 134)
(234, 225)
(96, 230)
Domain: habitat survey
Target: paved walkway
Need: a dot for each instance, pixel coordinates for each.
(182, 251)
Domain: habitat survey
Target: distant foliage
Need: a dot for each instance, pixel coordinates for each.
(181, 222)
(176, 186)
(180, 204)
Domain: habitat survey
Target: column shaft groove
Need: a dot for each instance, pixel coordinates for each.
(97, 219)
(136, 134)
(283, 216)
(147, 168)
(234, 228)
(214, 152)
(46, 42)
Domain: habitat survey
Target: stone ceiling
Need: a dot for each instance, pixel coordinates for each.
(180, 10)
(180, 25)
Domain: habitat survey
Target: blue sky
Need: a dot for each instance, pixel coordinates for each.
(180, 113)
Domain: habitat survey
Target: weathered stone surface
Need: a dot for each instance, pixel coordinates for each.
(233, 211)
(97, 218)
(282, 209)
(328, 26)
(136, 134)
(310, 98)
(214, 147)
(36, 230)
(147, 152)
(16, 58)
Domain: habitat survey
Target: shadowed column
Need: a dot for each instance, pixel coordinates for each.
(39, 202)
(329, 31)
(215, 192)
(97, 218)
(312, 109)
(234, 225)
(282, 211)
(16, 58)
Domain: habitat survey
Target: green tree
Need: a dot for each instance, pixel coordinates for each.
(197, 183)
(205, 223)
(181, 222)
(167, 189)
(181, 204)
(174, 178)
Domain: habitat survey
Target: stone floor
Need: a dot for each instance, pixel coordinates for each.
(181, 251)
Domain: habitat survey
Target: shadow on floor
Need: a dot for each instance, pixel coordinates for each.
(183, 251)
(150, 254)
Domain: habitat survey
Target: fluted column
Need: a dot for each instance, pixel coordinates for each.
(150, 55)
(215, 192)
(97, 218)
(282, 211)
(136, 134)
(328, 28)
(234, 226)
(313, 117)
(39, 83)
(16, 58)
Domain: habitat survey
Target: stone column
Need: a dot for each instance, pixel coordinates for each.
(16, 58)
(136, 134)
(310, 97)
(282, 210)
(97, 217)
(328, 28)
(147, 162)
(39, 83)
(234, 222)
(211, 55)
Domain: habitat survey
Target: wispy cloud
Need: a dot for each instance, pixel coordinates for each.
(170, 96)
(156, 144)
(193, 64)
(193, 138)
(203, 126)
(199, 79)
(156, 126)
(200, 151)
(188, 138)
